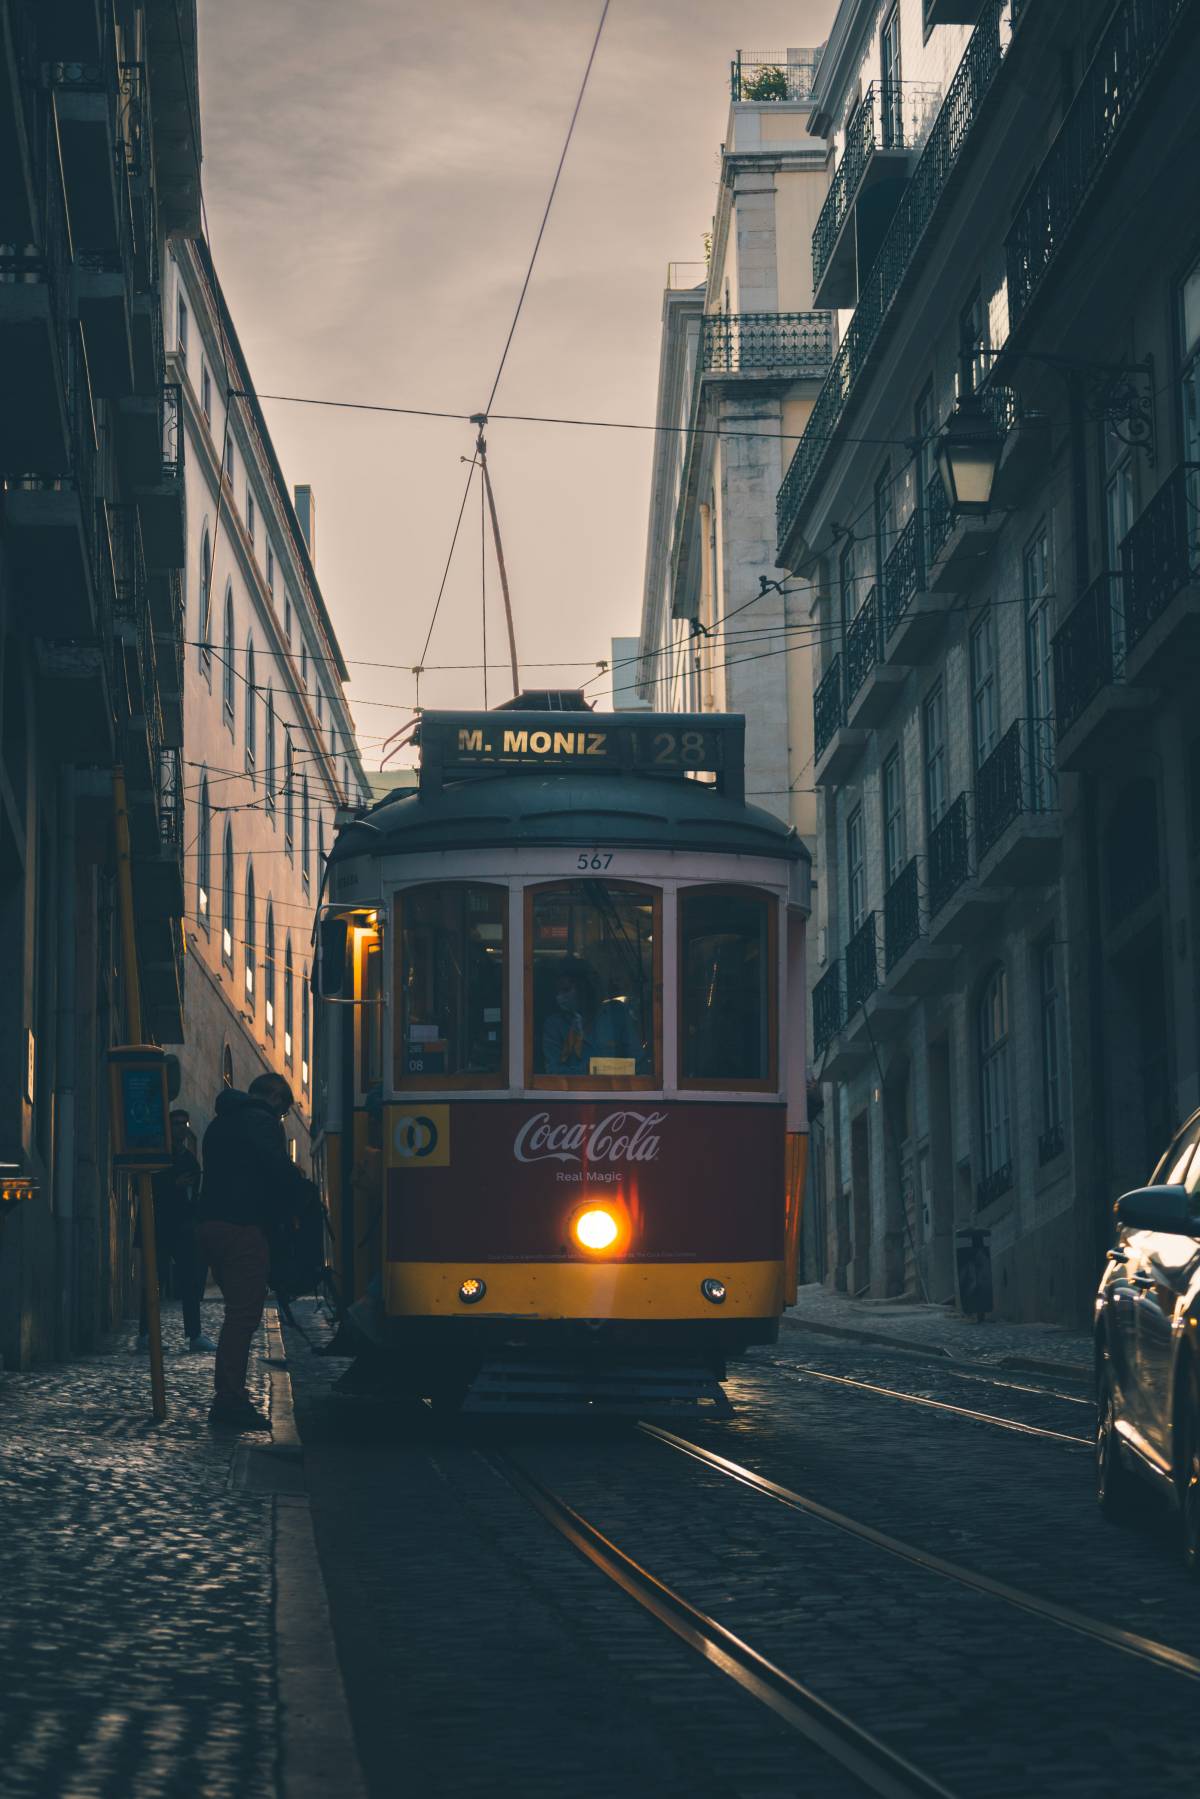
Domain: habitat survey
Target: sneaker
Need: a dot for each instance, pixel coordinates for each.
(202, 1342)
(234, 1415)
(143, 1344)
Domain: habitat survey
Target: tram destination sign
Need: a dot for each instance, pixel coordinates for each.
(454, 744)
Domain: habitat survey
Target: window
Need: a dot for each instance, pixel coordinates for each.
(1189, 390)
(346, 779)
(983, 689)
(1039, 665)
(304, 666)
(205, 633)
(181, 330)
(288, 999)
(1050, 1143)
(205, 391)
(287, 617)
(992, 1025)
(856, 875)
(451, 1010)
(591, 975)
(884, 522)
(289, 761)
(893, 817)
(727, 987)
(304, 831)
(371, 1014)
(249, 945)
(229, 457)
(890, 89)
(227, 1067)
(227, 645)
(320, 704)
(269, 751)
(846, 586)
(933, 724)
(973, 343)
(269, 970)
(926, 436)
(304, 1029)
(250, 514)
(270, 570)
(251, 712)
(204, 855)
(227, 897)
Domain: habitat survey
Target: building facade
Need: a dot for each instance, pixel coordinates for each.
(269, 750)
(742, 359)
(1006, 745)
(99, 167)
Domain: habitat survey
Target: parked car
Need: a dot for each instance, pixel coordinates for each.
(1147, 1332)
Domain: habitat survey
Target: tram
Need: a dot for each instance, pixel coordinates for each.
(560, 1059)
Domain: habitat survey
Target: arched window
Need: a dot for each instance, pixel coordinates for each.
(249, 947)
(269, 751)
(304, 1031)
(204, 634)
(305, 842)
(288, 1000)
(204, 854)
(227, 897)
(227, 1067)
(251, 712)
(289, 759)
(227, 652)
(994, 1101)
(269, 969)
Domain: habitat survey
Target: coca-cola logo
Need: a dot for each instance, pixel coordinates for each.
(619, 1137)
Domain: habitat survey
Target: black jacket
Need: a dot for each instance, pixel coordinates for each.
(249, 1177)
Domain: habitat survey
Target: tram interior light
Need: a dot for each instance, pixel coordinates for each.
(596, 1228)
(472, 1290)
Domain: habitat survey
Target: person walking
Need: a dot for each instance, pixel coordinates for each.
(250, 1187)
(175, 1192)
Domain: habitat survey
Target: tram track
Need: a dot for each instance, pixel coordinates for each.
(1016, 1425)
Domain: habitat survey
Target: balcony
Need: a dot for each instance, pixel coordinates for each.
(1160, 557)
(1018, 829)
(169, 660)
(160, 936)
(914, 614)
(50, 527)
(161, 500)
(84, 98)
(950, 12)
(1129, 54)
(873, 684)
(103, 302)
(922, 203)
(159, 874)
(788, 345)
(22, 126)
(149, 357)
(829, 1009)
(836, 747)
(873, 1016)
(78, 679)
(131, 612)
(912, 965)
(887, 128)
(771, 75)
(35, 345)
(1094, 706)
(959, 908)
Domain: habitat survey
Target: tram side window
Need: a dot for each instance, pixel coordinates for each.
(450, 1019)
(591, 982)
(725, 965)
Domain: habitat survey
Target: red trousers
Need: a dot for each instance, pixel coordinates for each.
(240, 1259)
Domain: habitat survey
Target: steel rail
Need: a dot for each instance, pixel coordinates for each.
(1177, 1661)
(871, 1761)
(939, 1405)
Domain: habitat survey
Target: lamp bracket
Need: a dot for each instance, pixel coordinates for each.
(1123, 398)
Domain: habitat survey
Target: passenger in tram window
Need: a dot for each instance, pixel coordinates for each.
(568, 1024)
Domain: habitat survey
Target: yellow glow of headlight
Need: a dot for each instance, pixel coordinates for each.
(596, 1228)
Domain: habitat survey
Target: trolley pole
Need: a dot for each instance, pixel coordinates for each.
(133, 1002)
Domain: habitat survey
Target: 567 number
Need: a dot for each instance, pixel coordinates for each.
(597, 860)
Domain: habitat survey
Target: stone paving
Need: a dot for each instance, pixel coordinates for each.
(135, 1618)
(939, 1330)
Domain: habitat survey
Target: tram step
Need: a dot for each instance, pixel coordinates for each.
(547, 1389)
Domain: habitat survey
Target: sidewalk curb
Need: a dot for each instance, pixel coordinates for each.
(1018, 1364)
(318, 1755)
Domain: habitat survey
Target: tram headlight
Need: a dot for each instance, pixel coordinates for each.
(472, 1290)
(596, 1228)
(713, 1291)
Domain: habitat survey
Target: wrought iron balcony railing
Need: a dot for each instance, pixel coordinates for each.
(1160, 554)
(172, 431)
(768, 75)
(829, 1013)
(1051, 1142)
(129, 562)
(1136, 38)
(901, 915)
(170, 801)
(919, 207)
(903, 572)
(1089, 649)
(948, 854)
(49, 264)
(829, 707)
(862, 965)
(892, 115)
(1018, 777)
(939, 519)
(800, 343)
(864, 644)
(993, 1185)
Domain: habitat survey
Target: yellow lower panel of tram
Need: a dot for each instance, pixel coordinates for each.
(595, 1290)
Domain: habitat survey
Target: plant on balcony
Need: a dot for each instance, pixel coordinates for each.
(768, 84)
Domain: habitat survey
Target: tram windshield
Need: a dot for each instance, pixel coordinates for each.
(450, 1020)
(725, 961)
(591, 971)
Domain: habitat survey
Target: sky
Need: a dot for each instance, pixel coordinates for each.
(374, 176)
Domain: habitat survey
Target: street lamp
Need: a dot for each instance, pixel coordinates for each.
(968, 451)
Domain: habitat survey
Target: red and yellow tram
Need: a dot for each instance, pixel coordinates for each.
(561, 1056)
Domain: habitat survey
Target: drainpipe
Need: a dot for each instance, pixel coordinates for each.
(64, 1070)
